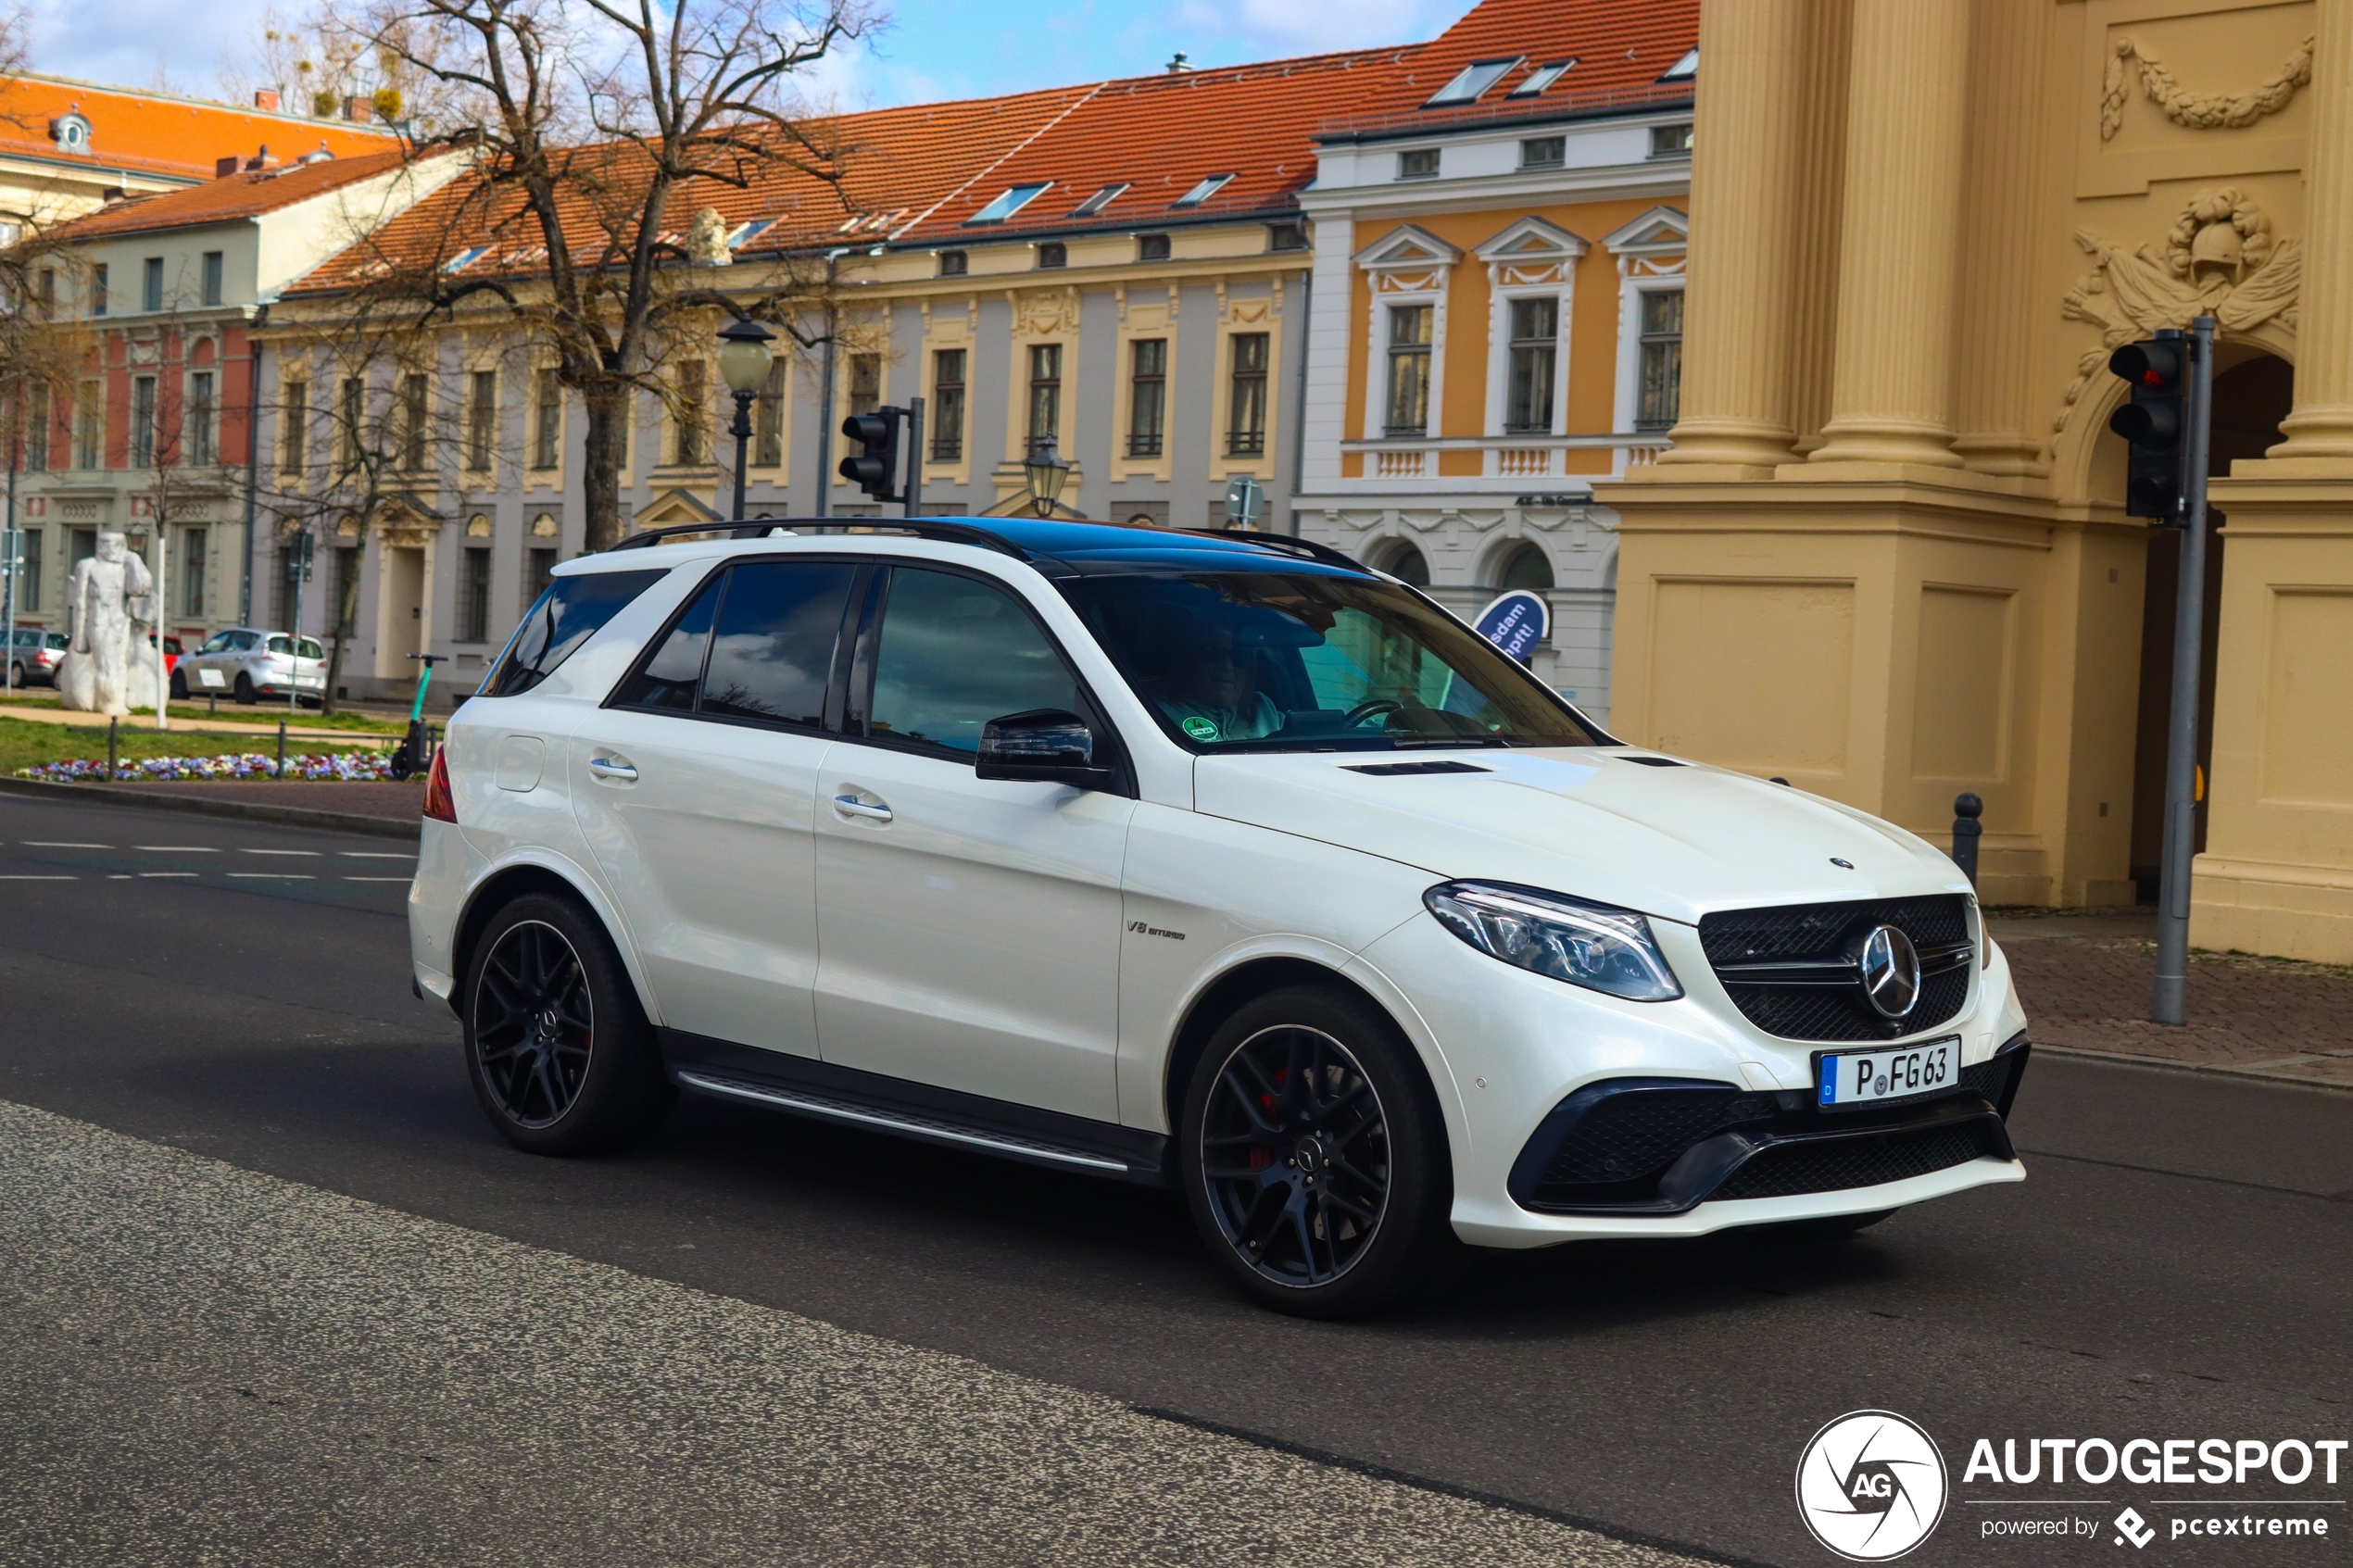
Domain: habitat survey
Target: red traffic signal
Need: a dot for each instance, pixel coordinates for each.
(2153, 423)
(876, 467)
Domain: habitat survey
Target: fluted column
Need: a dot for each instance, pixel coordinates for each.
(1740, 309)
(2321, 426)
(1891, 389)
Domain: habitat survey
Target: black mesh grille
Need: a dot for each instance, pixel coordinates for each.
(1836, 1164)
(1801, 932)
(1638, 1134)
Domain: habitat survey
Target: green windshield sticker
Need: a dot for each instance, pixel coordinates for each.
(1201, 729)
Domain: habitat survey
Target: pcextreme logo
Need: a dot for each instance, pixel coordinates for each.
(1871, 1486)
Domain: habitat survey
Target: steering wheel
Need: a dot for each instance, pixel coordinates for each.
(1371, 707)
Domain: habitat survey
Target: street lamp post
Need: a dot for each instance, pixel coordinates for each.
(1046, 473)
(744, 359)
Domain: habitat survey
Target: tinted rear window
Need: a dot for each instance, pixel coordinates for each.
(567, 615)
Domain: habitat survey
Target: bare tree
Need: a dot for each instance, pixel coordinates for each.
(319, 59)
(603, 124)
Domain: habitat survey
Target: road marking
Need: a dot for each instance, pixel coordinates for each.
(272, 876)
(178, 848)
(149, 874)
(59, 844)
(312, 853)
(35, 879)
(399, 879)
(119, 876)
(373, 855)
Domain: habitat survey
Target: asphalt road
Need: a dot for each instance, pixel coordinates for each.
(995, 1363)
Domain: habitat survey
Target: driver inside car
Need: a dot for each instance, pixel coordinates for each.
(1218, 698)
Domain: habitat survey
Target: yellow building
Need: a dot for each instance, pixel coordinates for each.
(1887, 557)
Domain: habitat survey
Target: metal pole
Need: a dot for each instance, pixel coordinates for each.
(2189, 633)
(162, 594)
(741, 431)
(298, 567)
(253, 471)
(824, 507)
(12, 546)
(914, 491)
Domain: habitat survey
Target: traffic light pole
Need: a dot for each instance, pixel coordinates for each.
(913, 494)
(2189, 629)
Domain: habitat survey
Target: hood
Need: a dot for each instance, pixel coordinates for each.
(1676, 842)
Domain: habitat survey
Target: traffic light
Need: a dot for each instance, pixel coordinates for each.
(875, 468)
(2155, 424)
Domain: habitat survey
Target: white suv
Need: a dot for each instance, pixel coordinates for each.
(1216, 861)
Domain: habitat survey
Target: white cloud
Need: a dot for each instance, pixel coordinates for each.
(140, 42)
(1289, 26)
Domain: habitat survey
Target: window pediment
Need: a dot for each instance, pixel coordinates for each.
(1661, 230)
(1408, 249)
(1531, 240)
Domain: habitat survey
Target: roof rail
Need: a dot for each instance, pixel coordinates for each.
(760, 528)
(1307, 547)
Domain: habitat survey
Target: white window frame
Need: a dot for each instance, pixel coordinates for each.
(1408, 266)
(1517, 270)
(1650, 254)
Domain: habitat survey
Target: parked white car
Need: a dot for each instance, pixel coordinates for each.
(1214, 862)
(252, 665)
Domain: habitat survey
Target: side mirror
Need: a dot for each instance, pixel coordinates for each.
(1043, 745)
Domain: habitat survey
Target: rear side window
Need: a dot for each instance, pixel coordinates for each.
(954, 654)
(668, 680)
(567, 615)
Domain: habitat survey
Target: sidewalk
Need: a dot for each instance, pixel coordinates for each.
(2086, 980)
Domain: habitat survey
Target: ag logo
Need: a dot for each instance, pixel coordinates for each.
(1871, 1486)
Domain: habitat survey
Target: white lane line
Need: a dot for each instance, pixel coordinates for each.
(272, 876)
(403, 880)
(312, 853)
(120, 876)
(59, 844)
(150, 875)
(177, 849)
(373, 855)
(35, 879)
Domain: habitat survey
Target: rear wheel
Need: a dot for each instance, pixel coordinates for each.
(244, 692)
(561, 1056)
(1314, 1158)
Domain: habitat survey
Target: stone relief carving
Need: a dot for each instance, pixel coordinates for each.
(2219, 259)
(2208, 111)
(1046, 312)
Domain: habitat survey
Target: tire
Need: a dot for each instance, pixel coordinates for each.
(561, 1058)
(16, 676)
(244, 692)
(1282, 1189)
(179, 686)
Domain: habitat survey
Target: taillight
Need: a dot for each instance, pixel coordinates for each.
(438, 805)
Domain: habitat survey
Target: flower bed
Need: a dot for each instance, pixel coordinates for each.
(343, 765)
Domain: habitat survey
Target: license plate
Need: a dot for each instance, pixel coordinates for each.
(1873, 1077)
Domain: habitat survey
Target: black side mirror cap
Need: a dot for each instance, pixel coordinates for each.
(1042, 746)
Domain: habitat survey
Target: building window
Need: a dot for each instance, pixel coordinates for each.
(1100, 200)
(28, 572)
(865, 384)
(202, 422)
(352, 438)
(1543, 152)
(1671, 141)
(344, 607)
(952, 263)
(142, 421)
(191, 543)
(1406, 409)
(151, 284)
(1409, 566)
(1209, 187)
(48, 291)
(547, 428)
(473, 597)
(482, 421)
(37, 426)
(1528, 568)
(1661, 389)
(1054, 253)
(768, 428)
(1147, 398)
(1472, 81)
(948, 405)
(1535, 339)
(1008, 201)
(1541, 78)
(1045, 394)
(98, 289)
(1287, 236)
(689, 445)
(89, 426)
(1246, 402)
(415, 410)
(212, 277)
(539, 570)
(1421, 163)
(1152, 247)
(294, 426)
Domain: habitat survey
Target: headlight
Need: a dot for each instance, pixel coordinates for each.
(1595, 946)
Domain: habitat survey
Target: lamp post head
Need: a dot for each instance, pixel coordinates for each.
(744, 357)
(1046, 471)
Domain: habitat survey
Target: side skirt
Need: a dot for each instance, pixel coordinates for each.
(947, 1117)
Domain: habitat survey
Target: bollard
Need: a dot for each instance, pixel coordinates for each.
(1967, 809)
(114, 740)
(282, 748)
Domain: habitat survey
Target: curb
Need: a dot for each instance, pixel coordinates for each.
(284, 816)
(2212, 1069)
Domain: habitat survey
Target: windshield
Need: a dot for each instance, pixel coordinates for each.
(567, 615)
(1273, 662)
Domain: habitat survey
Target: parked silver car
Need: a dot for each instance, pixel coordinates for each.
(32, 661)
(251, 665)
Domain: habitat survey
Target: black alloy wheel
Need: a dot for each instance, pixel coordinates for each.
(244, 688)
(1315, 1159)
(561, 1056)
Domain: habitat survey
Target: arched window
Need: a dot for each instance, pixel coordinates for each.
(1407, 564)
(1528, 568)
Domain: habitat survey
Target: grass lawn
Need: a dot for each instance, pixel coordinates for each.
(26, 743)
(259, 713)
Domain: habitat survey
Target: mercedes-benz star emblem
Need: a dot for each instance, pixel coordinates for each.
(1890, 971)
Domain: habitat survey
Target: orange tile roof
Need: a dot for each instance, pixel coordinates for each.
(158, 134)
(220, 201)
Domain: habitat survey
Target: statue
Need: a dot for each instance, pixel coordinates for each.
(706, 241)
(109, 667)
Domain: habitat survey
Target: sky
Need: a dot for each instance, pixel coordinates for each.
(931, 48)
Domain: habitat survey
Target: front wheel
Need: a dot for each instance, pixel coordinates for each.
(16, 676)
(179, 686)
(1314, 1158)
(561, 1056)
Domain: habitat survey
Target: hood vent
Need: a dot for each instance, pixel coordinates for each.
(1388, 770)
(1656, 762)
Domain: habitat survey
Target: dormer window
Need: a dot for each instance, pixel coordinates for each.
(1542, 78)
(1009, 202)
(70, 131)
(1682, 70)
(1203, 192)
(1472, 81)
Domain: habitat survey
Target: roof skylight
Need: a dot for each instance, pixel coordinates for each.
(465, 258)
(751, 231)
(1098, 201)
(1471, 82)
(1542, 78)
(1203, 192)
(1009, 203)
(1682, 70)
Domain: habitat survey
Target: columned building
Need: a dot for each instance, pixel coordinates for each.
(1887, 558)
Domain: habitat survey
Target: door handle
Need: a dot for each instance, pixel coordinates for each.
(850, 806)
(607, 767)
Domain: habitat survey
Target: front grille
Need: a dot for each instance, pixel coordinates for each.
(1834, 1009)
(1635, 1137)
(1837, 1164)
